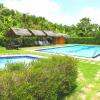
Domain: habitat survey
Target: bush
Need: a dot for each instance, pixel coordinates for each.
(46, 79)
(15, 66)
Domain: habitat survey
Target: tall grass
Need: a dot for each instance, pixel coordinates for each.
(46, 79)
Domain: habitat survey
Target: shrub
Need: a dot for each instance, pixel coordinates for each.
(46, 79)
(15, 66)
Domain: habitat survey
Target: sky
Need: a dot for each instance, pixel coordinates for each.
(66, 12)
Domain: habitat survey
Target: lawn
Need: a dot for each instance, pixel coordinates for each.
(21, 51)
(88, 80)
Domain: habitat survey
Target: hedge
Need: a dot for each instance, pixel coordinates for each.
(23, 41)
(83, 40)
(29, 41)
(46, 79)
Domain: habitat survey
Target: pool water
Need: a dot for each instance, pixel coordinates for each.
(75, 50)
(15, 59)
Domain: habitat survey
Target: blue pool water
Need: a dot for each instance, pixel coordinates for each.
(75, 50)
(14, 59)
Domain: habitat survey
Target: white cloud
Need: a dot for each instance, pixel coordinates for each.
(37, 7)
(92, 13)
(52, 11)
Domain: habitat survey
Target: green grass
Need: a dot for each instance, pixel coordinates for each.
(27, 50)
(87, 70)
(88, 87)
(22, 51)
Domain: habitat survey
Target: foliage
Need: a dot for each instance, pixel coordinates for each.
(2, 39)
(15, 66)
(22, 41)
(10, 18)
(83, 40)
(97, 36)
(85, 28)
(26, 41)
(46, 79)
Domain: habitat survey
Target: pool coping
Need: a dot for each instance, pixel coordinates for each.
(37, 56)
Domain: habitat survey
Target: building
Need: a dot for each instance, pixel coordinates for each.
(57, 38)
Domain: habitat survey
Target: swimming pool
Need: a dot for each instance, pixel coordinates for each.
(14, 59)
(75, 50)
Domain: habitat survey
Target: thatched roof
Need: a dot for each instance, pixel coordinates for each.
(18, 32)
(25, 32)
(62, 35)
(37, 32)
(50, 33)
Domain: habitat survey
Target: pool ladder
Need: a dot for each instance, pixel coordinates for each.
(94, 54)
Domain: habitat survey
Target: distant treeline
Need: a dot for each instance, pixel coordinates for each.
(11, 18)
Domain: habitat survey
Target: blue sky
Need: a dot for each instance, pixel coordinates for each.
(59, 11)
(75, 6)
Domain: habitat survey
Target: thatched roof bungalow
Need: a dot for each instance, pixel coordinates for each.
(57, 38)
(51, 36)
(18, 32)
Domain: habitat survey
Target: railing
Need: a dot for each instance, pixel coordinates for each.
(94, 54)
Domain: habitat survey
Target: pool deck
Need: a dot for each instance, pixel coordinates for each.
(23, 55)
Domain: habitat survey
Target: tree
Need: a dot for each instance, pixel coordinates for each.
(84, 27)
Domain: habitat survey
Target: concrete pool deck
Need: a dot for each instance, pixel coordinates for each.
(31, 55)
